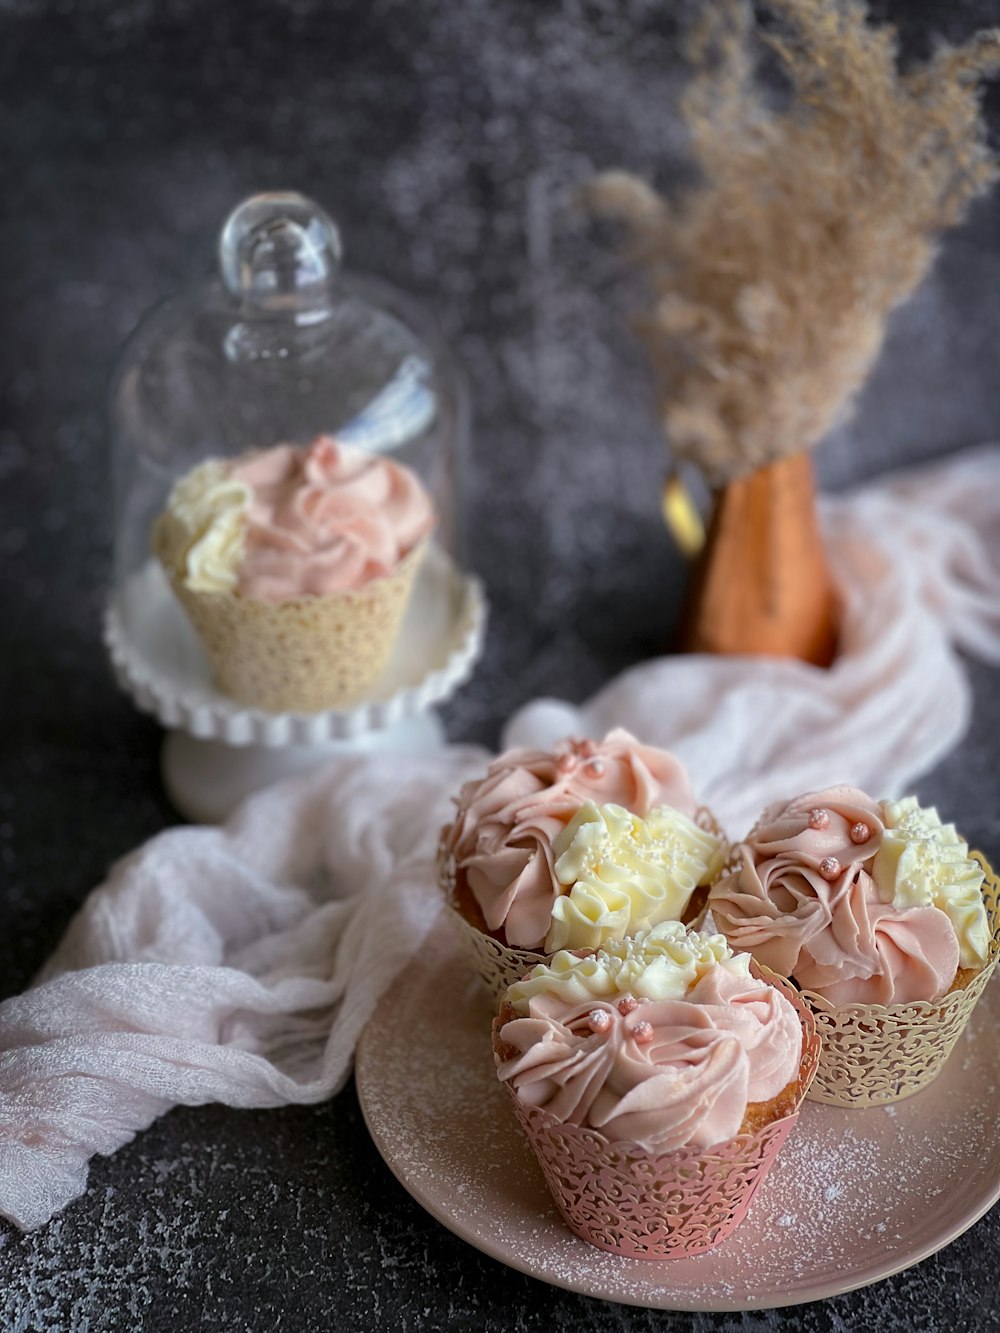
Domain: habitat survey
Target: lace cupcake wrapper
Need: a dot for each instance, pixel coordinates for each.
(306, 654)
(630, 1201)
(497, 965)
(874, 1054)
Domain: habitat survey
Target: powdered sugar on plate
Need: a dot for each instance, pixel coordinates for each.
(854, 1196)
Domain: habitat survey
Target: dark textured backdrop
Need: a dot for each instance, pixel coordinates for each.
(447, 138)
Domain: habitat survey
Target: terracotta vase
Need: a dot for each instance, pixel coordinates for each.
(761, 584)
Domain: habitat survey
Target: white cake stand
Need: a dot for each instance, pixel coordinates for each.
(219, 751)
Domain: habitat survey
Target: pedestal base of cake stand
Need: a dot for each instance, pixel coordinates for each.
(219, 751)
(206, 779)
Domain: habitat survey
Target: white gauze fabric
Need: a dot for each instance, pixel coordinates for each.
(240, 964)
(236, 965)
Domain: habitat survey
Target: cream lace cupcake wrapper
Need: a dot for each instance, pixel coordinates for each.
(497, 965)
(708, 823)
(305, 654)
(873, 1054)
(630, 1201)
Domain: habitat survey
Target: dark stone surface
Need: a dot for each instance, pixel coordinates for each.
(448, 139)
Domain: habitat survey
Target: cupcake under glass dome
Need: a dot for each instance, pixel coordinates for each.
(282, 347)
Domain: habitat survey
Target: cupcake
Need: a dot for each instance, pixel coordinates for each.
(295, 566)
(569, 848)
(656, 1080)
(878, 913)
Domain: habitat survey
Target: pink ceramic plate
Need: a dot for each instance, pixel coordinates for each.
(854, 1197)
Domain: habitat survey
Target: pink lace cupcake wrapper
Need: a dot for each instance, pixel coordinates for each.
(630, 1201)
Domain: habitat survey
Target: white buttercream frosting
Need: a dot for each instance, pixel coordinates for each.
(626, 872)
(205, 526)
(924, 863)
(661, 963)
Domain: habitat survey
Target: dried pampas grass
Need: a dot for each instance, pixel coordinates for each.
(774, 276)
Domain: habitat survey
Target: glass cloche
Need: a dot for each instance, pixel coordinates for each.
(282, 347)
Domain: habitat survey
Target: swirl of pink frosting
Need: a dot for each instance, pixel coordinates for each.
(507, 821)
(326, 519)
(803, 902)
(666, 1075)
(897, 956)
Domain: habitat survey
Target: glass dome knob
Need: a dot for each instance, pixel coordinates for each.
(280, 254)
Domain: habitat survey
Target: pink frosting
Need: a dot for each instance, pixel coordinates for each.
(731, 1041)
(507, 821)
(823, 923)
(326, 519)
